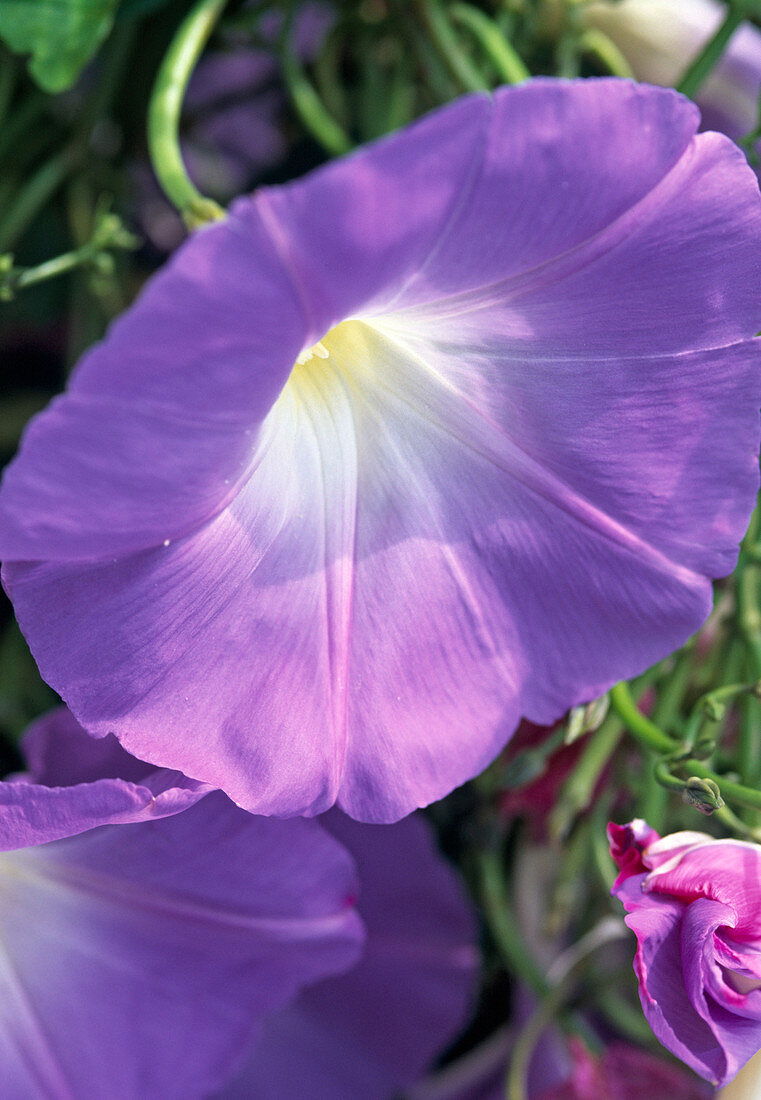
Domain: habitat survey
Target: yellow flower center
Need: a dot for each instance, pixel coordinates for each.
(317, 351)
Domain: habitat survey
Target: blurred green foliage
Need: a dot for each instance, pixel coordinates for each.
(61, 35)
(83, 223)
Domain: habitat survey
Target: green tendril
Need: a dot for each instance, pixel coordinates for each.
(164, 115)
(460, 65)
(108, 236)
(594, 42)
(677, 754)
(307, 103)
(508, 65)
(568, 967)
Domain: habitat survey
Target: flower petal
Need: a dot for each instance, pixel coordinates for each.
(627, 845)
(659, 38)
(259, 596)
(734, 1021)
(58, 753)
(657, 924)
(664, 849)
(76, 783)
(130, 967)
(498, 497)
(548, 166)
(376, 1028)
(728, 871)
(160, 422)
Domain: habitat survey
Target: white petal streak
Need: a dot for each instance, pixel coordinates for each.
(406, 377)
(389, 426)
(324, 411)
(645, 211)
(26, 1046)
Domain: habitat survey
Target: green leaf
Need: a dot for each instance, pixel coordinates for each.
(60, 35)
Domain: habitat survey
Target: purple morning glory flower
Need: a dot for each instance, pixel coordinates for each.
(694, 904)
(130, 966)
(452, 430)
(376, 1028)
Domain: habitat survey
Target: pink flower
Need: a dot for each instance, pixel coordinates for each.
(623, 1073)
(694, 904)
(627, 843)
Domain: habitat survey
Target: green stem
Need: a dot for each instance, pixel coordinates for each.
(666, 778)
(593, 41)
(653, 802)
(701, 67)
(735, 824)
(601, 857)
(515, 1084)
(656, 740)
(710, 711)
(306, 101)
(28, 276)
(671, 689)
(577, 791)
(650, 735)
(87, 322)
(329, 84)
(510, 68)
(748, 592)
(721, 695)
(16, 279)
(377, 89)
(445, 40)
(570, 883)
(7, 81)
(553, 1001)
(164, 115)
(504, 926)
(400, 107)
(24, 121)
(749, 748)
(40, 188)
(567, 58)
(43, 184)
(435, 77)
(748, 622)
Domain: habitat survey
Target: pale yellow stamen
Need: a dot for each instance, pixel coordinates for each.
(317, 351)
(340, 359)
